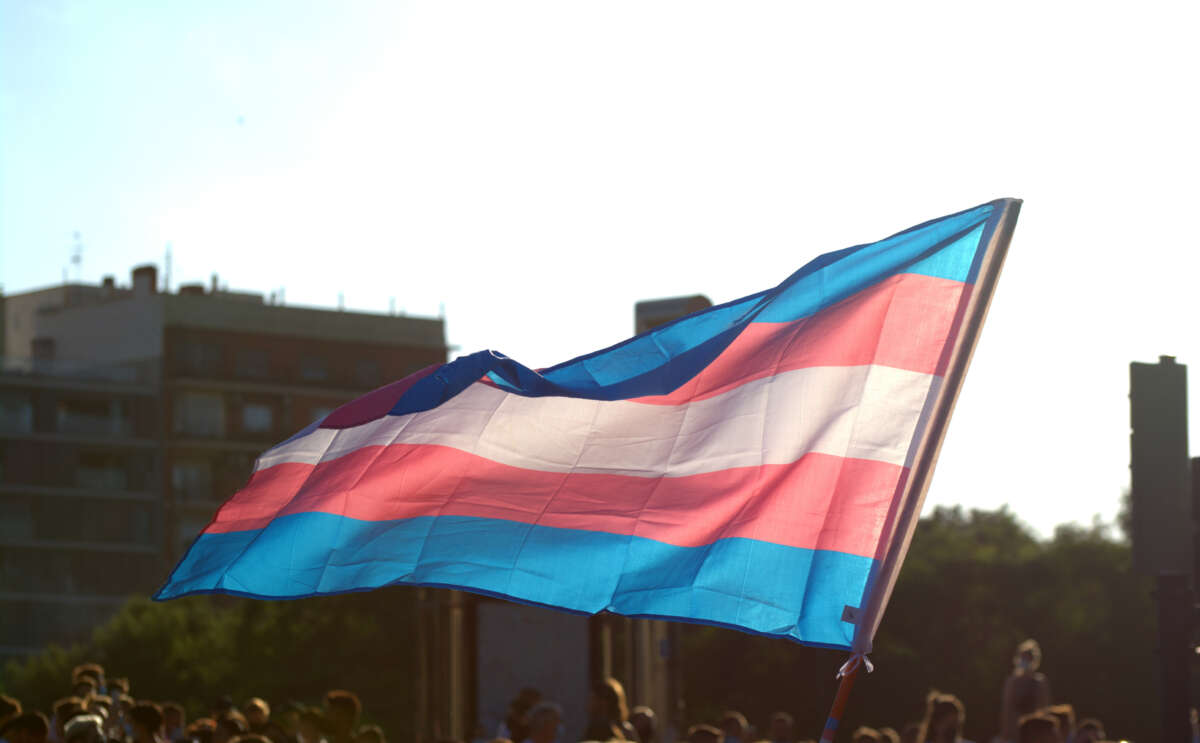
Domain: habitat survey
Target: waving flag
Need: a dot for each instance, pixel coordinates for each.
(757, 465)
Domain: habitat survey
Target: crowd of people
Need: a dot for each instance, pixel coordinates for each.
(102, 710)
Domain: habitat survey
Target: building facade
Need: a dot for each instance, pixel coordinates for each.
(128, 414)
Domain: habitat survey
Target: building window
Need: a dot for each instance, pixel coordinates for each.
(101, 471)
(201, 358)
(16, 519)
(252, 363)
(192, 479)
(257, 418)
(200, 414)
(16, 412)
(313, 369)
(93, 417)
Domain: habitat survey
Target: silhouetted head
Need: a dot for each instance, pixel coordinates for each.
(705, 734)
(1038, 728)
(608, 701)
(782, 727)
(146, 718)
(85, 729)
(734, 725)
(1028, 656)
(866, 735)
(544, 719)
(1090, 730)
(645, 722)
(28, 727)
(257, 712)
(344, 709)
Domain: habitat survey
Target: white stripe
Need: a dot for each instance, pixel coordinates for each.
(865, 412)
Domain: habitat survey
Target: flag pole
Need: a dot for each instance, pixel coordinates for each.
(839, 703)
(898, 533)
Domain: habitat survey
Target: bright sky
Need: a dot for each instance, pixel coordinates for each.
(538, 167)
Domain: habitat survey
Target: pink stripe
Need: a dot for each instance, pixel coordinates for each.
(819, 502)
(902, 322)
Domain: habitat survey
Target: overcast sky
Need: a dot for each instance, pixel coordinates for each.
(538, 167)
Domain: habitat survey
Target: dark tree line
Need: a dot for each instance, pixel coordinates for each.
(974, 585)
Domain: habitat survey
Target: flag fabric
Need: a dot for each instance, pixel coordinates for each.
(743, 466)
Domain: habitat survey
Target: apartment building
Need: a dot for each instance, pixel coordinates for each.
(128, 414)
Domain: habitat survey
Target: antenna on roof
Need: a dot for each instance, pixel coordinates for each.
(167, 269)
(341, 301)
(77, 254)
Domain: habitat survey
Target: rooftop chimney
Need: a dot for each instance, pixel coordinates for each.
(145, 280)
(192, 290)
(108, 285)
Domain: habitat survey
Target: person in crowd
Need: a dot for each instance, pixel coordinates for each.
(889, 735)
(9, 708)
(99, 704)
(944, 718)
(289, 720)
(1089, 730)
(258, 718)
(1065, 714)
(735, 727)
(342, 709)
(251, 738)
(61, 711)
(1038, 728)
(84, 688)
(545, 723)
(516, 722)
(312, 726)
(257, 713)
(201, 730)
(782, 728)
(608, 715)
(220, 707)
(910, 733)
(85, 729)
(865, 734)
(230, 725)
(705, 734)
(174, 721)
(645, 723)
(369, 734)
(146, 722)
(27, 727)
(1026, 689)
(118, 687)
(94, 672)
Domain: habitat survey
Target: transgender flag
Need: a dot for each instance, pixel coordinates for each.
(757, 465)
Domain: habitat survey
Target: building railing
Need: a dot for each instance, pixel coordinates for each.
(144, 372)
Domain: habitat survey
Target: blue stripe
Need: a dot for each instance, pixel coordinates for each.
(663, 359)
(757, 586)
